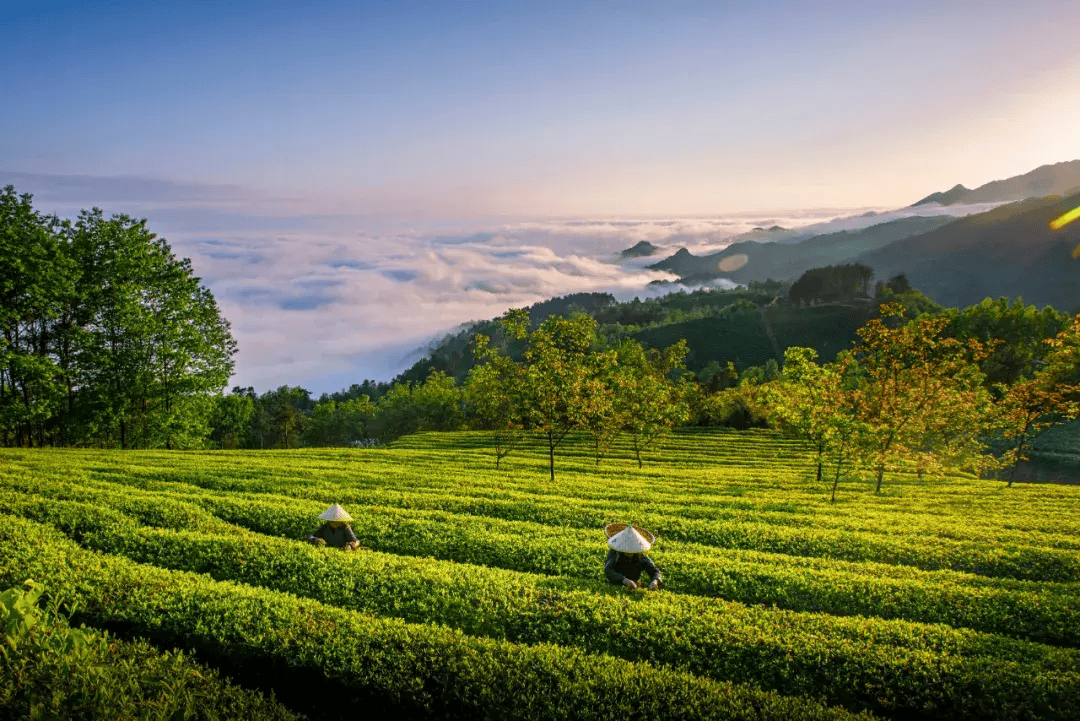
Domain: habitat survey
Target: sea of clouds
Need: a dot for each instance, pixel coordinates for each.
(323, 301)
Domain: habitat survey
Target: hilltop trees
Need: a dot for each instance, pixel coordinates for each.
(836, 282)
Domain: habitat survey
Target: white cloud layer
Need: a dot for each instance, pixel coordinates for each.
(325, 301)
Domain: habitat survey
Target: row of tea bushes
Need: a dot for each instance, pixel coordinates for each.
(386, 664)
(50, 670)
(1048, 614)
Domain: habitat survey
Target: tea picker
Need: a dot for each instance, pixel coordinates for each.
(627, 560)
(336, 531)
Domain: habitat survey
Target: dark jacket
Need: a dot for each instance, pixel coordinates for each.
(618, 566)
(336, 537)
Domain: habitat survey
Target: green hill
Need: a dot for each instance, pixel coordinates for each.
(787, 261)
(1008, 251)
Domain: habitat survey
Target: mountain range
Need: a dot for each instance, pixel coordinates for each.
(1008, 250)
(1056, 179)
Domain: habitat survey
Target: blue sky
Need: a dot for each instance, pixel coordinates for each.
(286, 125)
(568, 108)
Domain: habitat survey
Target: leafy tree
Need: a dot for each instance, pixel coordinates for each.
(435, 405)
(909, 378)
(231, 423)
(439, 403)
(813, 402)
(647, 402)
(153, 339)
(1020, 332)
(495, 392)
(334, 423)
(1032, 406)
(559, 375)
(283, 416)
(36, 278)
(107, 337)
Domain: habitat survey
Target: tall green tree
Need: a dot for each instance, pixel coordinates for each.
(153, 344)
(36, 279)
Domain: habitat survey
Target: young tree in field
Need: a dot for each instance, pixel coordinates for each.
(813, 402)
(647, 402)
(601, 417)
(495, 392)
(1032, 406)
(558, 376)
(910, 376)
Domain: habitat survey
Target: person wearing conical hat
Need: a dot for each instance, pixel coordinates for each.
(336, 531)
(626, 559)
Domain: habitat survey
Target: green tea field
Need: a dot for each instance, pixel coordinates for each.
(481, 592)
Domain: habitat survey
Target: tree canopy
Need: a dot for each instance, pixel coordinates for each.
(108, 338)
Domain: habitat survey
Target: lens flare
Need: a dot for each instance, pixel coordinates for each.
(1062, 221)
(732, 263)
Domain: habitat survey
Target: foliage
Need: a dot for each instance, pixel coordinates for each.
(918, 393)
(563, 389)
(471, 549)
(108, 339)
(495, 393)
(648, 400)
(834, 283)
(1020, 332)
(1030, 407)
(55, 671)
(814, 402)
(389, 665)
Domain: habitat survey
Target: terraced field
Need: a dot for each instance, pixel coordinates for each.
(482, 595)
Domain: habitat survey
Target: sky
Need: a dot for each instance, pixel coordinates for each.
(352, 180)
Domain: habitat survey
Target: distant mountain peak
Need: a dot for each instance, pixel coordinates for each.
(949, 197)
(641, 250)
(1057, 179)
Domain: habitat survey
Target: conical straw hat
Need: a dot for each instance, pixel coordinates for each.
(628, 539)
(335, 513)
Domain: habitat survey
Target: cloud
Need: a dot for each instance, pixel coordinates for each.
(323, 301)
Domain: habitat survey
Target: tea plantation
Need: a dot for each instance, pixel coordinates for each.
(482, 594)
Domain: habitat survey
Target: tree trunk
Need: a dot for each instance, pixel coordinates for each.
(1016, 458)
(551, 454)
(820, 460)
(880, 478)
(123, 435)
(836, 480)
